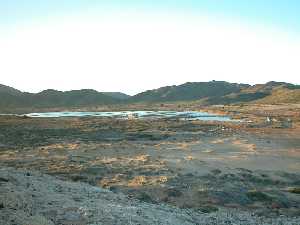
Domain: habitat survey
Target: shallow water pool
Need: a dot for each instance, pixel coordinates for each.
(188, 115)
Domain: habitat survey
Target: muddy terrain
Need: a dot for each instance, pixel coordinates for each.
(252, 165)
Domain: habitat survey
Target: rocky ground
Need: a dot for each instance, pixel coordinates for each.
(196, 172)
(31, 198)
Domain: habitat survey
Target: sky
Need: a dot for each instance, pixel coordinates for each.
(135, 45)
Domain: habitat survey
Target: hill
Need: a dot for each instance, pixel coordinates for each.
(117, 95)
(253, 93)
(12, 98)
(204, 93)
(221, 92)
(85, 97)
(9, 90)
(272, 93)
(281, 95)
(189, 92)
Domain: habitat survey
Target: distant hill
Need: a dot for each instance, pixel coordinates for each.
(221, 92)
(117, 95)
(252, 93)
(205, 93)
(281, 95)
(12, 98)
(9, 90)
(189, 92)
(85, 97)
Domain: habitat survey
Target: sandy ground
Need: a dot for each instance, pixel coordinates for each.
(32, 198)
(206, 166)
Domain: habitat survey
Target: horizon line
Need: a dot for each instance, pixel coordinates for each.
(131, 95)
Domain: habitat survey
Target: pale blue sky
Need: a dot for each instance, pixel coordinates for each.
(281, 13)
(135, 45)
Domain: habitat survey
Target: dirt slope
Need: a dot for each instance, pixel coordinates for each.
(31, 198)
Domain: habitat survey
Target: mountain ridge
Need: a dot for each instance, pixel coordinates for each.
(206, 93)
(13, 98)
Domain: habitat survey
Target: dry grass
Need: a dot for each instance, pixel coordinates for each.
(281, 96)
